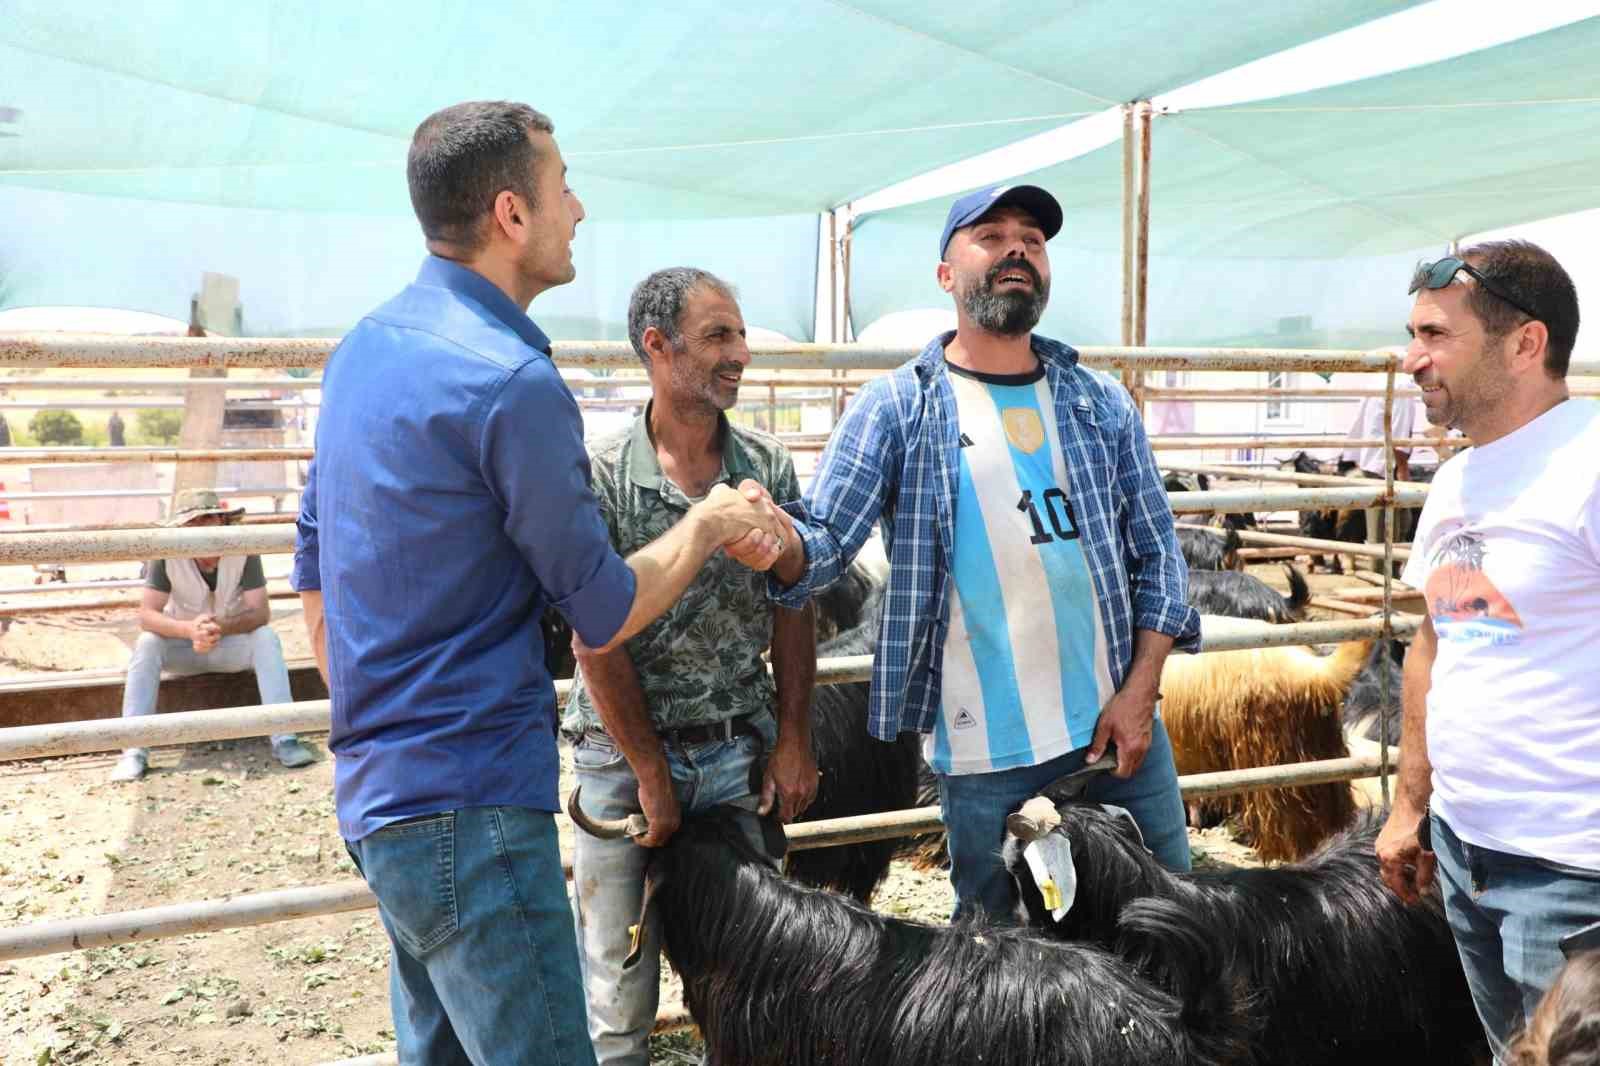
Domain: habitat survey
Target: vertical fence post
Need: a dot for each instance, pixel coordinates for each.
(1386, 633)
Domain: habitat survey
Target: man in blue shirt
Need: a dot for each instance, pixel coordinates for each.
(1035, 583)
(447, 506)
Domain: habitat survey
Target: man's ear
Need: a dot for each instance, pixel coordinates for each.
(1532, 341)
(655, 345)
(946, 277)
(510, 214)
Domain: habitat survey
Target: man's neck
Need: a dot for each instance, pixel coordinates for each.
(208, 565)
(688, 444)
(1517, 411)
(499, 272)
(990, 353)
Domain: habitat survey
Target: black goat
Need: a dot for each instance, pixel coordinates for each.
(1247, 596)
(780, 974)
(848, 603)
(1344, 972)
(860, 774)
(1364, 712)
(1210, 549)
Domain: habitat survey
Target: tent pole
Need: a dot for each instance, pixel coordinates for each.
(1127, 232)
(1142, 249)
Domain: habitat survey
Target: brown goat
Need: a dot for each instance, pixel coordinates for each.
(1265, 707)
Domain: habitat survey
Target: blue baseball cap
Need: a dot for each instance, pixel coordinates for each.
(973, 206)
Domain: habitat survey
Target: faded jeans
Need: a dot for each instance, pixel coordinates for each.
(1508, 914)
(976, 805)
(258, 650)
(482, 966)
(608, 877)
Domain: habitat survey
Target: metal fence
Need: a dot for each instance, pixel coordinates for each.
(102, 545)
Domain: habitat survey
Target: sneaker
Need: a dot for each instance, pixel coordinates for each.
(131, 766)
(292, 753)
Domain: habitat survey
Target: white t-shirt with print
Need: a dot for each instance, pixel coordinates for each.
(1508, 556)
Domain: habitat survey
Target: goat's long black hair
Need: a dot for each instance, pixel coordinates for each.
(1237, 595)
(860, 774)
(780, 974)
(1340, 966)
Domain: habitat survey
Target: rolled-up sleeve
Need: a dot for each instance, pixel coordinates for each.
(847, 493)
(532, 457)
(1157, 575)
(307, 573)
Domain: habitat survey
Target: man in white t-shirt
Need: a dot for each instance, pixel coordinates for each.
(1501, 742)
(1368, 460)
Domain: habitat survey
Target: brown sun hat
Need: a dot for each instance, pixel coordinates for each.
(197, 503)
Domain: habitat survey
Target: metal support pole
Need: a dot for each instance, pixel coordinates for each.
(1141, 274)
(1129, 236)
(1385, 697)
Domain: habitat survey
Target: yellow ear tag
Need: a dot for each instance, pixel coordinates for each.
(634, 937)
(1051, 894)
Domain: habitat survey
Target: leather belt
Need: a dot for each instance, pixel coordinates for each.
(706, 732)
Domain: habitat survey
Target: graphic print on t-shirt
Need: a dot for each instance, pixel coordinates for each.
(1465, 605)
(1025, 664)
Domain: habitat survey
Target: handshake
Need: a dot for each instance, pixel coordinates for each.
(752, 529)
(204, 632)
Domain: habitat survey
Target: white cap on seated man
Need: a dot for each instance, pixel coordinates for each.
(203, 616)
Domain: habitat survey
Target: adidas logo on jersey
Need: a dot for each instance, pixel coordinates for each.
(964, 719)
(966, 441)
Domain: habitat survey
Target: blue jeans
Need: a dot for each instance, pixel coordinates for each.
(608, 877)
(1508, 913)
(483, 968)
(976, 805)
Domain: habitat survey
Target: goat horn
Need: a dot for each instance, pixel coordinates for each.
(634, 825)
(1034, 820)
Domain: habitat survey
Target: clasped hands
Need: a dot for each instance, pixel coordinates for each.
(204, 632)
(753, 530)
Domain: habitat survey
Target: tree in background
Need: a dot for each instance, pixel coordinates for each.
(56, 427)
(159, 426)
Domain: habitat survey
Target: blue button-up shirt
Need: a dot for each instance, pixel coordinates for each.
(447, 505)
(893, 458)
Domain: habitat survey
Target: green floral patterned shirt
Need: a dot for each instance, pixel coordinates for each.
(701, 660)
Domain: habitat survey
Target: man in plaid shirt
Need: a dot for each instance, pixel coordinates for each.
(1035, 582)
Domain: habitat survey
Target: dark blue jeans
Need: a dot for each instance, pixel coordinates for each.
(1508, 914)
(976, 805)
(484, 965)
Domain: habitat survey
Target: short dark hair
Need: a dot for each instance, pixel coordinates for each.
(659, 299)
(462, 157)
(1532, 277)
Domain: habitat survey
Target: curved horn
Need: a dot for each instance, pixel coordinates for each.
(634, 825)
(1035, 819)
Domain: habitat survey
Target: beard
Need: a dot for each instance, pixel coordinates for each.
(1477, 391)
(702, 391)
(1011, 313)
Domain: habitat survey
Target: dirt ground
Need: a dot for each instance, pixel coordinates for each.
(211, 821)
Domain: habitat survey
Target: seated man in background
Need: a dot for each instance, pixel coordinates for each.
(205, 616)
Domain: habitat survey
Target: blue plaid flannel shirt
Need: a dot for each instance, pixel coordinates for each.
(893, 458)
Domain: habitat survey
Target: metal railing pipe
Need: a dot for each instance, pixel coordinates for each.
(43, 456)
(55, 739)
(1361, 494)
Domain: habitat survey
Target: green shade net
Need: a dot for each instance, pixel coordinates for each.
(143, 143)
(1298, 217)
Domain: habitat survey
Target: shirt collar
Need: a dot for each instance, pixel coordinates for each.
(464, 281)
(1050, 352)
(644, 469)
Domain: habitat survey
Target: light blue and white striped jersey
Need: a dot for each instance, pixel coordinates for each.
(1025, 663)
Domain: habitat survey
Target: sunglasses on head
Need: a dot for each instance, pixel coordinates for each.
(1438, 274)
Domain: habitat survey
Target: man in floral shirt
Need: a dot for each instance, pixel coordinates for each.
(684, 713)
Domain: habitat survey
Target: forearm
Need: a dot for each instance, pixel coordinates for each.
(662, 570)
(316, 631)
(613, 685)
(794, 670)
(1415, 783)
(1150, 651)
(164, 625)
(246, 621)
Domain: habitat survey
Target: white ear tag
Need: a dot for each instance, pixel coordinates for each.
(1050, 860)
